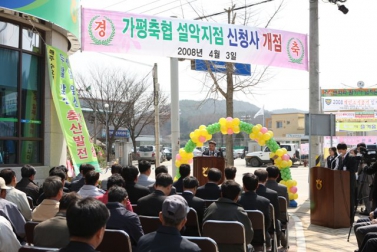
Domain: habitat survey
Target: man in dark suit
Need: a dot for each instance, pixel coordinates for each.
(190, 185)
(250, 200)
(86, 233)
(184, 171)
(151, 204)
(167, 237)
(211, 190)
(26, 184)
(227, 209)
(272, 195)
(211, 151)
(158, 170)
(84, 169)
(134, 190)
(273, 175)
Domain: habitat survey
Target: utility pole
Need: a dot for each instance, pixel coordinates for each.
(314, 92)
(156, 88)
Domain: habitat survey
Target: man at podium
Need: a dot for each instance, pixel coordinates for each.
(211, 151)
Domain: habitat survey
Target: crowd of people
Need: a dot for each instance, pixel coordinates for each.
(73, 215)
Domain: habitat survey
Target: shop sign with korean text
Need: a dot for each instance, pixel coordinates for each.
(121, 32)
(68, 108)
(349, 103)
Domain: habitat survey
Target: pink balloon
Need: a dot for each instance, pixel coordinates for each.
(293, 189)
(285, 157)
(202, 139)
(229, 118)
(230, 131)
(264, 130)
(190, 161)
(178, 157)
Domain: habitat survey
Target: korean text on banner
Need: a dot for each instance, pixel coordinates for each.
(68, 109)
(121, 32)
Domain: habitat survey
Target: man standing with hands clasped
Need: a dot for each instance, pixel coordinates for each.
(211, 151)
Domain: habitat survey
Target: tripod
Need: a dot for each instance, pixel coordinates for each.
(359, 199)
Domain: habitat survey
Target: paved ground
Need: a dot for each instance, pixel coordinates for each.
(303, 236)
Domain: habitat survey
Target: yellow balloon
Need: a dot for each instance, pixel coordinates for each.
(291, 196)
(272, 155)
(177, 163)
(278, 159)
(284, 163)
(182, 152)
(255, 129)
(222, 121)
(190, 155)
(271, 133)
(289, 163)
(236, 129)
(202, 127)
(266, 136)
(209, 137)
(259, 135)
(261, 142)
(236, 121)
(279, 152)
(259, 126)
(294, 183)
(199, 144)
(252, 135)
(192, 135)
(295, 196)
(284, 150)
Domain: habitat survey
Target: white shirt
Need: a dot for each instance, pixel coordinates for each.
(19, 198)
(8, 240)
(144, 180)
(90, 191)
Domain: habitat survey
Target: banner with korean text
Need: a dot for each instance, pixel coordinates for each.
(68, 109)
(121, 32)
(349, 103)
(356, 126)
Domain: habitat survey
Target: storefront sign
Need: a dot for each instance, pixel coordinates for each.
(356, 115)
(349, 92)
(348, 103)
(356, 126)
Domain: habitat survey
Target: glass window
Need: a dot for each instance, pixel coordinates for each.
(30, 152)
(30, 41)
(279, 124)
(9, 34)
(8, 151)
(30, 97)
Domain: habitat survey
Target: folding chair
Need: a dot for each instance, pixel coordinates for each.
(115, 241)
(149, 223)
(274, 235)
(257, 219)
(284, 217)
(206, 244)
(226, 233)
(36, 249)
(29, 231)
(192, 224)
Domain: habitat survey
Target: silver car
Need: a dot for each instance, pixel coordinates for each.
(148, 153)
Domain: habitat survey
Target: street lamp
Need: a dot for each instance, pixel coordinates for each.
(107, 130)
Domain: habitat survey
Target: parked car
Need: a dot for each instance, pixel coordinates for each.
(167, 152)
(257, 158)
(238, 153)
(148, 153)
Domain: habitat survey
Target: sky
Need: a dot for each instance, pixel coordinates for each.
(347, 47)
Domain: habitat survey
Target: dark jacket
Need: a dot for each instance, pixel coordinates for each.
(76, 185)
(209, 191)
(279, 188)
(29, 187)
(165, 239)
(122, 219)
(151, 205)
(136, 191)
(179, 185)
(75, 246)
(372, 170)
(272, 196)
(172, 191)
(198, 204)
(52, 233)
(216, 153)
(252, 201)
(227, 210)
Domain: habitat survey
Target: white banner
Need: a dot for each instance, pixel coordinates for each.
(348, 103)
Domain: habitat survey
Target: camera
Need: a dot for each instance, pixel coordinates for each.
(366, 155)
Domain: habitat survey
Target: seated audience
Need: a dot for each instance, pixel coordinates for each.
(115, 169)
(145, 172)
(158, 170)
(190, 185)
(227, 209)
(151, 204)
(230, 173)
(273, 175)
(10, 211)
(8, 240)
(26, 184)
(53, 190)
(14, 195)
(184, 171)
(135, 191)
(53, 233)
(90, 188)
(84, 169)
(120, 217)
(250, 200)
(86, 221)
(167, 237)
(59, 172)
(211, 190)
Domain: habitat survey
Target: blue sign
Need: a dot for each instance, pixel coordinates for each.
(118, 133)
(220, 67)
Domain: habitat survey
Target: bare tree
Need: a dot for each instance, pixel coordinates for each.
(130, 105)
(225, 85)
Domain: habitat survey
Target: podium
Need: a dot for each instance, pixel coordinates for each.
(330, 197)
(203, 164)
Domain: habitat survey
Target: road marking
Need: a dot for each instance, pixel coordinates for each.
(300, 236)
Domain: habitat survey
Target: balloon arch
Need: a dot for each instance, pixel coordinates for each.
(256, 132)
